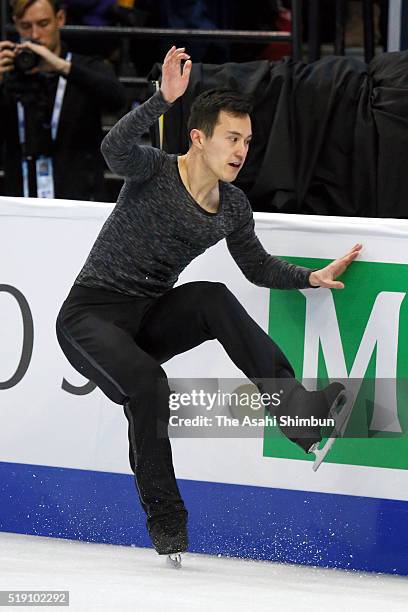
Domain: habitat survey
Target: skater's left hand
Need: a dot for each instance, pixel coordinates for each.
(326, 276)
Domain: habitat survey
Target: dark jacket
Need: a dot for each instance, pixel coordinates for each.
(77, 162)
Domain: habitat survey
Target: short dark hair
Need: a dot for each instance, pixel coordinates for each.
(207, 106)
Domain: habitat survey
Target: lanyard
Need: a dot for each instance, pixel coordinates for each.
(55, 118)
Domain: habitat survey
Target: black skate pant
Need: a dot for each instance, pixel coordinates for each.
(119, 342)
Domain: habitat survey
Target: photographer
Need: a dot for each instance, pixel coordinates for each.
(50, 103)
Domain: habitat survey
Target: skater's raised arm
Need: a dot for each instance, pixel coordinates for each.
(120, 147)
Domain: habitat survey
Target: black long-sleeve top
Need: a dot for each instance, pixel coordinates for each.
(157, 228)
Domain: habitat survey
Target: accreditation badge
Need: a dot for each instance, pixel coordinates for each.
(45, 177)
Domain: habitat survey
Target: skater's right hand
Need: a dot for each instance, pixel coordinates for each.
(174, 79)
(7, 55)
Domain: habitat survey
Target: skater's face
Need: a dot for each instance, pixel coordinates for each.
(225, 151)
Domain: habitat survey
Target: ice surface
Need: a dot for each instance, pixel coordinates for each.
(116, 578)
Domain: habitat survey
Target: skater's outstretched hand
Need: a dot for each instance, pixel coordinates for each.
(326, 276)
(174, 77)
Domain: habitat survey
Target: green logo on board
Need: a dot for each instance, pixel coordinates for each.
(359, 333)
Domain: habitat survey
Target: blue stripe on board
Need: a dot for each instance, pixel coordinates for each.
(322, 529)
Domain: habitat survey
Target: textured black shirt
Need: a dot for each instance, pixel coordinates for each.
(157, 228)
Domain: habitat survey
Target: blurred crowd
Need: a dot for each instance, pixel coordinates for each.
(53, 109)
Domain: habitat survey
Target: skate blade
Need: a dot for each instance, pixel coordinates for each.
(340, 412)
(174, 560)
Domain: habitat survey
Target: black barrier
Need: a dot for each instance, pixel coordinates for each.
(125, 34)
(368, 21)
(339, 43)
(163, 33)
(314, 28)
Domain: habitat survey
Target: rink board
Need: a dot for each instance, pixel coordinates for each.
(63, 454)
(321, 529)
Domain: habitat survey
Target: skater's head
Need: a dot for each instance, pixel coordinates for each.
(40, 21)
(219, 129)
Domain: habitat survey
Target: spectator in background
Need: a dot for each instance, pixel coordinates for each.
(51, 114)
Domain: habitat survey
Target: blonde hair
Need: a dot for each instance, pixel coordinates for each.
(19, 7)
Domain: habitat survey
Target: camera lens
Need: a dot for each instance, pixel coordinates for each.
(26, 60)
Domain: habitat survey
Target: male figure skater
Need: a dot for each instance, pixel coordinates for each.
(123, 317)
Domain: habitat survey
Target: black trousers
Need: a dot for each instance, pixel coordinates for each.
(120, 341)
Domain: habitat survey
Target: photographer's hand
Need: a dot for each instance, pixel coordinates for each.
(7, 55)
(174, 80)
(50, 61)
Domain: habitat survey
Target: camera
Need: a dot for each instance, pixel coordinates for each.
(26, 60)
(21, 84)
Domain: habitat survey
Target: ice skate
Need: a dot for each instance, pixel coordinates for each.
(329, 403)
(174, 560)
(170, 538)
(340, 412)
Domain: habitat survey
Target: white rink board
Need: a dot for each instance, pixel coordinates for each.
(43, 245)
